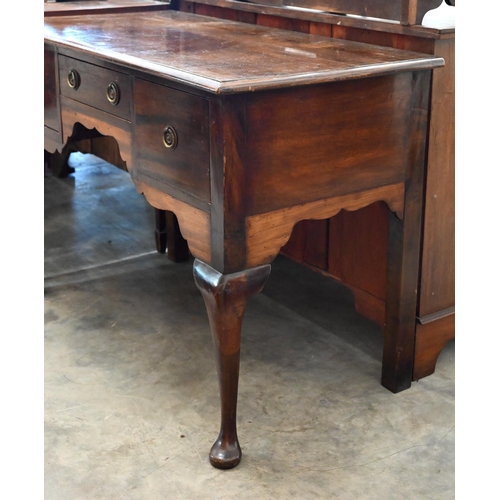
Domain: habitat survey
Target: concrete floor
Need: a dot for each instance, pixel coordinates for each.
(131, 396)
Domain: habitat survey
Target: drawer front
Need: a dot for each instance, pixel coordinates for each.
(98, 87)
(172, 138)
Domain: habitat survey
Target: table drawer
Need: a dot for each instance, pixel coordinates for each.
(102, 88)
(172, 138)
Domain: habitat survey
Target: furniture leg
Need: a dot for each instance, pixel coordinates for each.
(399, 329)
(168, 236)
(404, 253)
(57, 163)
(160, 231)
(225, 298)
(177, 247)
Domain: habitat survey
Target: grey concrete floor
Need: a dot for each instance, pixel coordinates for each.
(131, 396)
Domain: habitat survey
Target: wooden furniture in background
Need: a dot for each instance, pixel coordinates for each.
(242, 148)
(352, 246)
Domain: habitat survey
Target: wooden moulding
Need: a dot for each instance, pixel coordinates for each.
(430, 339)
(267, 233)
(194, 224)
(108, 125)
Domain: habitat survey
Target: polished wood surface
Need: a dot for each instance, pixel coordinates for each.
(271, 156)
(207, 53)
(75, 7)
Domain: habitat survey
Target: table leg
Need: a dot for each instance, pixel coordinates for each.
(160, 231)
(225, 298)
(404, 252)
(401, 305)
(168, 236)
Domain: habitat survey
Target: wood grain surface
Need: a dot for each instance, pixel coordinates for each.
(222, 56)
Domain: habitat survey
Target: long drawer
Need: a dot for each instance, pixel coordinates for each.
(99, 87)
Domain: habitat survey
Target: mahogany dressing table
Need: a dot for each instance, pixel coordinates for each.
(242, 131)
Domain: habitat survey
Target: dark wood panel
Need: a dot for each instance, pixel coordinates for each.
(283, 23)
(404, 252)
(219, 12)
(227, 177)
(309, 243)
(214, 11)
(357, 250)
(386, 39)
(187, 166)
(437, 283)
(322, 29)
(339, 20)
(51, 89)
(297, 242)
(322, 167)
(403, 11)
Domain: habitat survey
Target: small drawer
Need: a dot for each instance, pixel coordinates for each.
(172, 138)
(99, 87)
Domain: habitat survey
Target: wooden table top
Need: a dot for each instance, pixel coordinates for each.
(64, 8)
(224, 56)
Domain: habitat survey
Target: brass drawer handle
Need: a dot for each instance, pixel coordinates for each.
(73, 79)
(170, 137)
(113, 93)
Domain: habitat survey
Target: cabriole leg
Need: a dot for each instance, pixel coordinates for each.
(225, 298)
